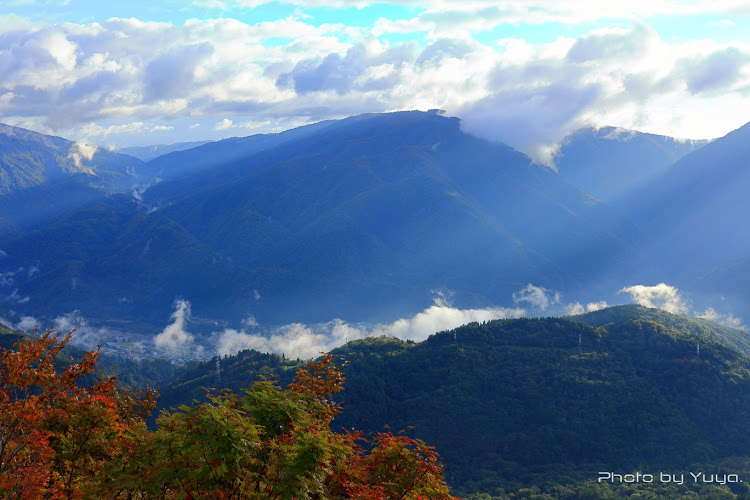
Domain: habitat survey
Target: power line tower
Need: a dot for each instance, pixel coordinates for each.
(698, 351)
(218, 371)
(580, 345)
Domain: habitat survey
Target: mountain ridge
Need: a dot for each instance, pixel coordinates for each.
(515, 403)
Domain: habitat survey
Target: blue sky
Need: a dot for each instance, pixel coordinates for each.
(522, 72)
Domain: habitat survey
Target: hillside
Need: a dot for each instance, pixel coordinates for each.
(43, 176)
(733, 338)
(512, 403)
(148, 153)
(697, 206)
(609, 162)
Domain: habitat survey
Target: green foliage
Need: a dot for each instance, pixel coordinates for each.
(60, 438)
(701, 328)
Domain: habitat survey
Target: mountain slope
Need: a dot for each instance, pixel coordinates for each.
(148, 153)
(361, 219)
(395, 197)
(42, 176)
(30, 159)
(732, 338)
(111, 260)
(693, 218)
(609, 162)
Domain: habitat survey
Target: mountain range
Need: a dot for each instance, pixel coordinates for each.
(364, 219)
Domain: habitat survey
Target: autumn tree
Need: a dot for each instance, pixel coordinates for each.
(57, 434)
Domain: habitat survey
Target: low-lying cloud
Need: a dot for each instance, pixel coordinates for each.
(661, 296)
(297, 340)
(85, 334)
(82, 151)
(578, 308)
(538, 298)
(669, 298)
(725, 319)
(175, 338)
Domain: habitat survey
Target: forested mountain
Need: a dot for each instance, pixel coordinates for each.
(732, 338)
(360, 218)
(42, 176)
(29, 159)
(148, 153)
(611, 163)
(363, 219)
(693, 216)
(512, 404)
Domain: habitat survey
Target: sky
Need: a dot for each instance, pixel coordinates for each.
(523, 72)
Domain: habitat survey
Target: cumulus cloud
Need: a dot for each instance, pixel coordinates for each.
(716, 72)
(173, 72)
(362, 64)
(538, 298)
(174, 338)
(224, 124)
(297, 340)
(661, 296)
(613, 44)
(123, 77)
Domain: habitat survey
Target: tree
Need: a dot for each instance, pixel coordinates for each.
(274, 443)
(56, 434)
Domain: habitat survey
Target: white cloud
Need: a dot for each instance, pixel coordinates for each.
(93, 129)
(250, 322)
(297, 340)
(123, 77)
(8, 278)
(6, 98)
(537, 297)
(578, 308)
(224, 124)
(82, 151)
(596, 306)
(161, 128)
(84, 335)
(15, 298)
(725, 319)
(174, 337)
(27, 323)
(661, 296)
